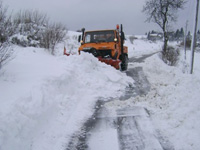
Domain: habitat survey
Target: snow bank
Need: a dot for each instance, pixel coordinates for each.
(142, 46)
(173, 101)
(44, 99)
(71, 43)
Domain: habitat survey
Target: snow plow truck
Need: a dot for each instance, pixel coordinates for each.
(106, 45)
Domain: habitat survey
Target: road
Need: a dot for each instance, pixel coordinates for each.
(117, 128)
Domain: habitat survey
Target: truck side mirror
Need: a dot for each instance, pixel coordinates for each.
(79, 38)
(122, 36)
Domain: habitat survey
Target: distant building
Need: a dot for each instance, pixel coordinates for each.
(173, 36)
(154, 36)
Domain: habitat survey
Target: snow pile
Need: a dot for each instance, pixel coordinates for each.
(173, 100)
(44, 99)
(72, 43)
(142, 46)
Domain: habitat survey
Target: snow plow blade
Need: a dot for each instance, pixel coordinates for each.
(112, 62)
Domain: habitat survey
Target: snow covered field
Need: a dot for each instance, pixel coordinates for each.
(44, 99)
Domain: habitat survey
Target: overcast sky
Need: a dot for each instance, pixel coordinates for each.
(101, 14)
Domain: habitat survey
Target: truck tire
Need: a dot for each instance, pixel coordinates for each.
(124, 63)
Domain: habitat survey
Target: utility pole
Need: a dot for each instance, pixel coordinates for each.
(185, 40)
(194, 38)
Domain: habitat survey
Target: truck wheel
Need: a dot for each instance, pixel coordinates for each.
(94, 52)
(124, 64)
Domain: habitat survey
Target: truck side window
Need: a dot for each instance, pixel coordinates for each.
(87, 38)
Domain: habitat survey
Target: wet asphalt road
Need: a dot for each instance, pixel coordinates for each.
(127, 129)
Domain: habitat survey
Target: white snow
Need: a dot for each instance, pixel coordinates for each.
(173, 100)
(142, 46)
(105, 137)
(45, 99)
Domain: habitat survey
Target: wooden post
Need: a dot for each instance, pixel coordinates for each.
(194, 38)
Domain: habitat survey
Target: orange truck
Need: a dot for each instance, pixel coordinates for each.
(106, 45)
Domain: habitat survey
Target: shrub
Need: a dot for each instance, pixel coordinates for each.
(6, 26)
(171, 56)
(34, 29)
(53, 34)
(29, 28)
(5, 53)
(6, 30)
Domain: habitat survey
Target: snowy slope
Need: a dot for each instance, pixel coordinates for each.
(46, 98)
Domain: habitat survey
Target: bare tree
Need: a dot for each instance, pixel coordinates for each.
(6, 30)
(163, 12)
(54, 34)
(6, 27)
(30, 24)
(38, 30)
(29, 16)
(5, 53)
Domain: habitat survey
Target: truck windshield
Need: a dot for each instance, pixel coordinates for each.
(99, 36)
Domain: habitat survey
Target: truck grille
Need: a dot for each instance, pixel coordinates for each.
(105, 53)
(102, 53)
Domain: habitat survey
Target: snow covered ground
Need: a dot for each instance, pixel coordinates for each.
(173, 101)
(45, 99)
